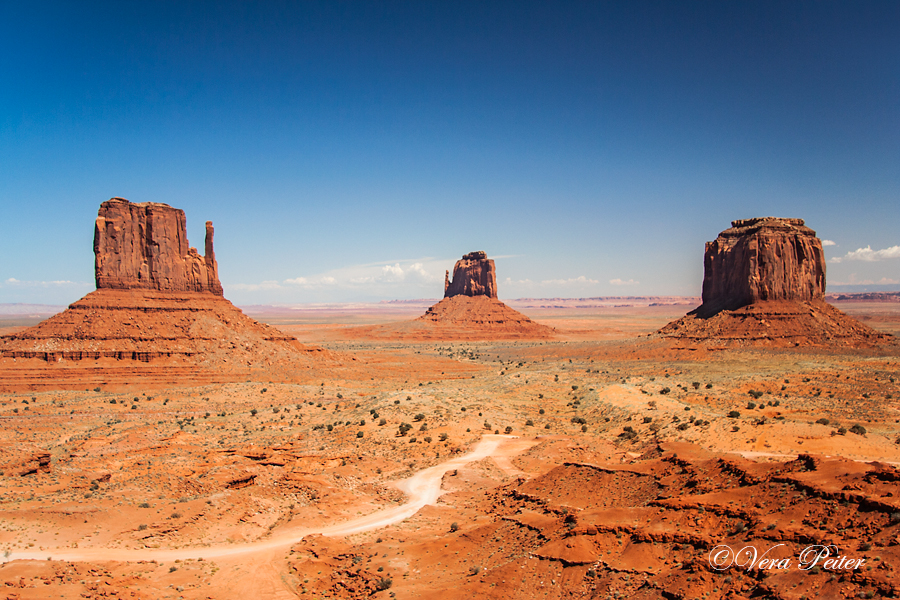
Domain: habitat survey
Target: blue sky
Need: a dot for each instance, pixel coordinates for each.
(352, 151)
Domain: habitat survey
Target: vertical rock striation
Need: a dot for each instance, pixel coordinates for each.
(763, 259)
(145, 246)
(764, 284)
(473, 275)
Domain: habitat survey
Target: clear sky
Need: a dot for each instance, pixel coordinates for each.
(352, 151)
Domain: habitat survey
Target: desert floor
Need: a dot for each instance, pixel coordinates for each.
(142, 490)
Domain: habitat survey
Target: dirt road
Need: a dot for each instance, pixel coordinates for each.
(421, 489)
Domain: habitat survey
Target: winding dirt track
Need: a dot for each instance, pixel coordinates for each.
(421, 489)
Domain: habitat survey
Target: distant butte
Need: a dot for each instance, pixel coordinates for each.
(470, 306)
(158, 305)
(473, 275)
(764, 283)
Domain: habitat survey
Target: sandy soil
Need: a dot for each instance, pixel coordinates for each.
(126, 486)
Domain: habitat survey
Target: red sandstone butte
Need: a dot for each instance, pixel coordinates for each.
(763, 259)
(473, 275)
(764, 284)
(145, 246)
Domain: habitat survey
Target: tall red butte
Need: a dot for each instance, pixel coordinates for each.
(764, 283)
(158, 312)
(145, 247)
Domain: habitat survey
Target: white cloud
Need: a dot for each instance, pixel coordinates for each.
(382, 275)
(868, 255)
(828, 243)
(17, 283)
(575, 280)
(618, 281)
(854, 281)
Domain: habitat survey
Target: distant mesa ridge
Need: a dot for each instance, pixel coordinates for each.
(145, 247)
(762, 259)
(473, 275)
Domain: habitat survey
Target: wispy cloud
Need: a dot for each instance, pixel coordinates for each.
(618, 281)
(571, 281)
(868, 255)
(12, 282)
(854, 281)
(416, 272)
(828, 243)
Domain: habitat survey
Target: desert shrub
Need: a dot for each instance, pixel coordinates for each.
(858, 430)
(359, 434)
(756, 394)
(508, 430)
(427, 439)
(541, 411)
(647, 419)
(696, 385)
(584, 428)
(529, 423)
(175, 515)
(253, 411)
(142, 527)
(822, 421)
(664, 391)
(709, 386)
(578, 420)
(454, 527)
(443, 437)
(751, 405)
(96, 389)
(683, 426)
(144, 505)
(264, 390)
(382, 422)
(329, 427)
(734, 414)
(403, 428)
(172, 569)
(487, 425)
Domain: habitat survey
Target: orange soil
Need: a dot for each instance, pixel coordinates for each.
(615, 430)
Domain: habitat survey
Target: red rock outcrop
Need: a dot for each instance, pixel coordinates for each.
(473, 275)
(760, 260)
(144, 246)
(764, 284)
(157, 301)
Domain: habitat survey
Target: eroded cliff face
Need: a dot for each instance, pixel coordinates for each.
(760, 260)
(144, 246)
(473, 275)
